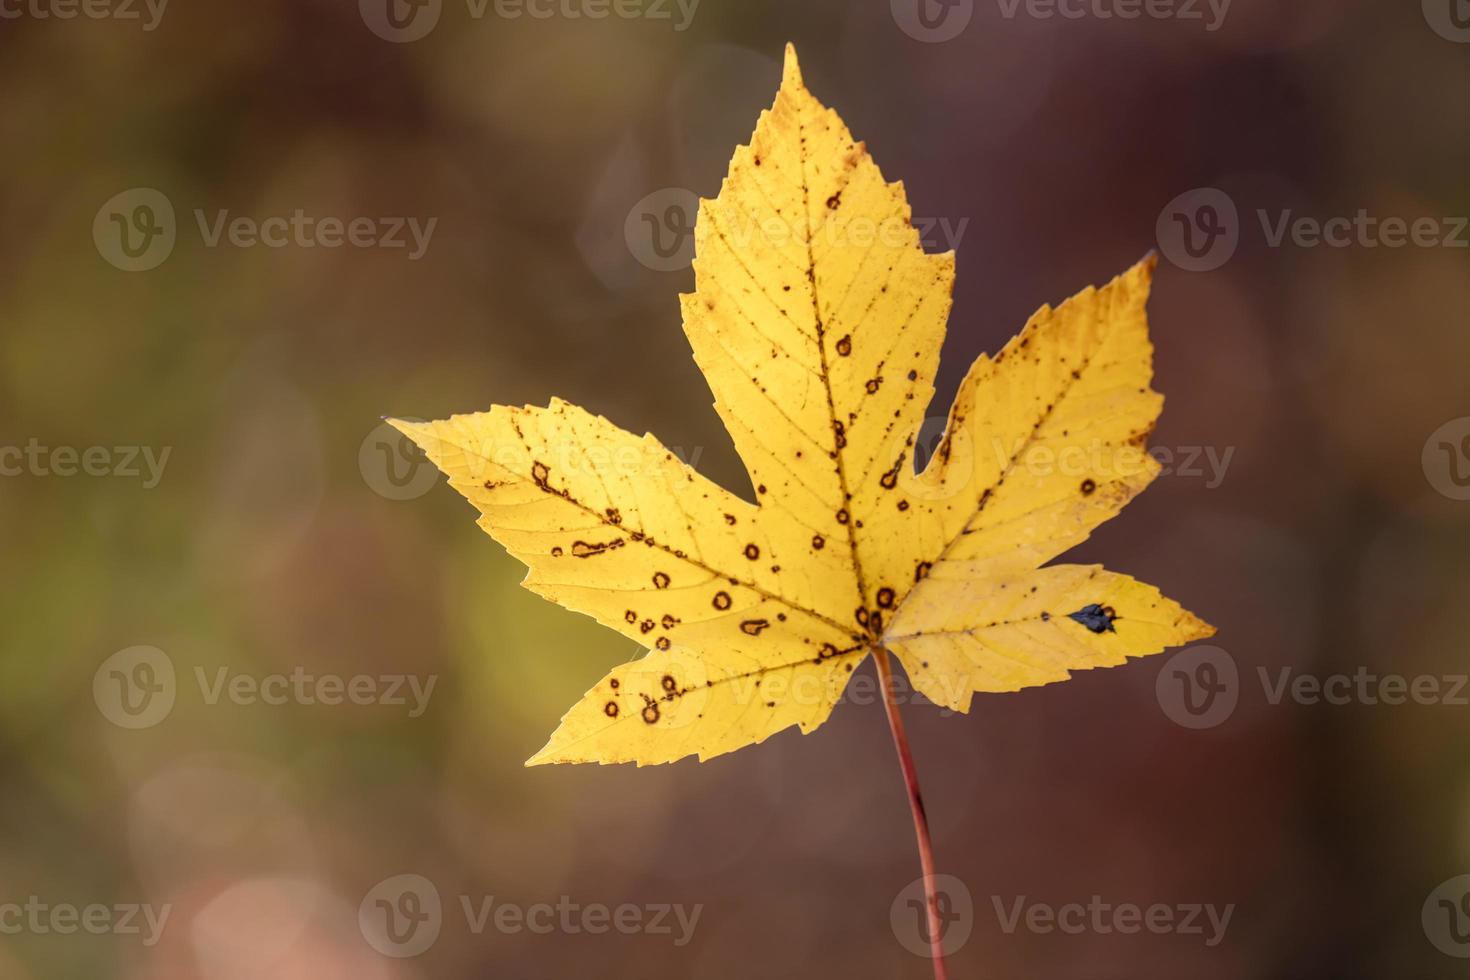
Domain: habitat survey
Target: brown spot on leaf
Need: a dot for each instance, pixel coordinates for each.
(610, 709)
(818, 542)
(722, 600)
(922, 571)
(844, 346)
(583, 549)
(752, 552)
(885, 597)
(753, 627)
(660, 580)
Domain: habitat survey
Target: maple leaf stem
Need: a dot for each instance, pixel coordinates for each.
(916, 805)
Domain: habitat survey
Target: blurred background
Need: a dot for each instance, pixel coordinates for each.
(234, 237)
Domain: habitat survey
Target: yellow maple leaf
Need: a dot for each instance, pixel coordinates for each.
(817, 318)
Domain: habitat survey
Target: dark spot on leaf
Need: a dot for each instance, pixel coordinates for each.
(722, 600)
(650, 712)
(842, 517)
(752, 552)
(818, 542)
(646, 626)
(1097, 618)
(1088, 486)
(885, 597)
(844, 346)
(922, 571)
(610, 709)
(582, 549)
(669, 684)
(631, 616)
(753, 627)
(663, 643)
(541, 473)
(660, 580)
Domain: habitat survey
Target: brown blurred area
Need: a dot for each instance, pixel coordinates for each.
(1310, 386)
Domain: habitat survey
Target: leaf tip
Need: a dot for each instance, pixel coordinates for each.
(791, 72)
